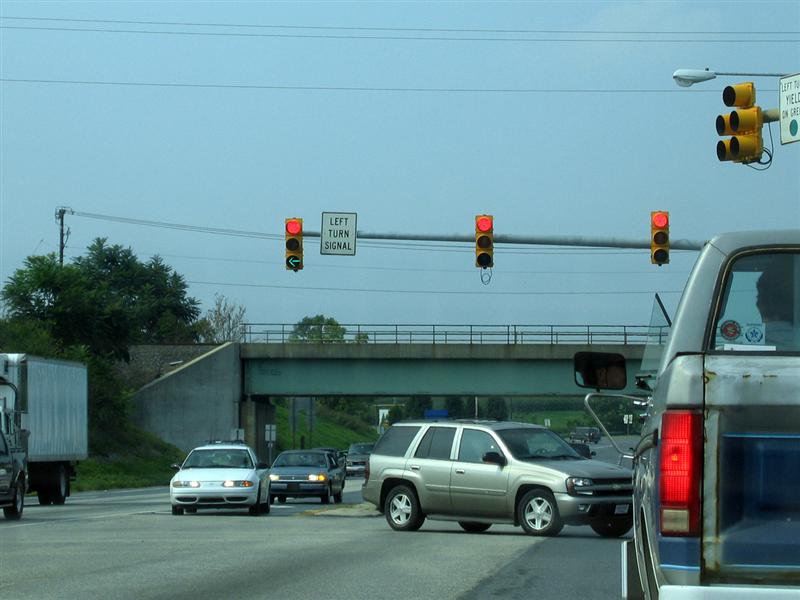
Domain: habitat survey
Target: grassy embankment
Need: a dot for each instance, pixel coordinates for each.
(143, 460)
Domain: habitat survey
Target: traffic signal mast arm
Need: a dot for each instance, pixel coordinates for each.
(525, 240)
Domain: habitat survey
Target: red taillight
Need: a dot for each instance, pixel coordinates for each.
(681, 472)
(366, 470)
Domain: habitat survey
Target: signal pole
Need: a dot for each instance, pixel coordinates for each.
(63, 235)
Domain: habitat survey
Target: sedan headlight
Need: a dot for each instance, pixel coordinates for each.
(274, 477)
(578, 485)
(186, 484)
(317, 477)
(230, 483)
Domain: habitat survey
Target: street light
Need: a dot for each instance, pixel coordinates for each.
(688, 77)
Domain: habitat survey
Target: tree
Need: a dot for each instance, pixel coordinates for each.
(223, 322)
(319, 329)
(496, 408)
(455, 407)
(416, 407)
(395, 414)
(106, 300)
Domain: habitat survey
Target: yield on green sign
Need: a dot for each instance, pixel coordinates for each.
(789, 92)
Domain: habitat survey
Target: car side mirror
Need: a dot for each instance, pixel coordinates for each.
(495, 458)
(262, 466)
(600, 370)
(175, 466)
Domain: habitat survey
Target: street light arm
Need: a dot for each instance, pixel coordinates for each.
(688, 77)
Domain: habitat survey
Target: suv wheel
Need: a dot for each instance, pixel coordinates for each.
(473, 527)
(537, 512)
(610, 527)
(402, 509)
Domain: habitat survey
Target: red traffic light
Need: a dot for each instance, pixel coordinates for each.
(294, 226)
(660, 219)
(484, 223)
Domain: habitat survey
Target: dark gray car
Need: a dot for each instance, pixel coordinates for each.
(357, 457)
(306, 474)
(482, 472)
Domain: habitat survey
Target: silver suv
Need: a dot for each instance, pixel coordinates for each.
(481, 472)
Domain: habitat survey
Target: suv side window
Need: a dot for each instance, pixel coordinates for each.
(395, 441)
(474, 444)
(3, 447)
(437, 443)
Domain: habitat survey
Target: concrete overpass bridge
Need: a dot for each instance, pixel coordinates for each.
(231, 386)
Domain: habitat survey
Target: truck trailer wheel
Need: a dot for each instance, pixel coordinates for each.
(60, 483)
(44, 497)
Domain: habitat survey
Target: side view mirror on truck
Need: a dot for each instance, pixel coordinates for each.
(600, 370)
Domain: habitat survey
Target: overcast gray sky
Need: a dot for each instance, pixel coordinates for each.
(559, 118)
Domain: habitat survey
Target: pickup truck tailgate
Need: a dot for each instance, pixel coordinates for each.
(751, 481)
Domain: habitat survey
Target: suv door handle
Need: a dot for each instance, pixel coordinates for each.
(415, 467)
(459, 471)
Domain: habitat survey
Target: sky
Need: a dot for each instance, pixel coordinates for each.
(558, 118)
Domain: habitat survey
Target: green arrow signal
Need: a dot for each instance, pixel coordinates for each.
(293, 262)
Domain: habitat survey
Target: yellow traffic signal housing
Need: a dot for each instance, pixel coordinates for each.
(744, 124)
(294, 244)
(484, 241)
(659, 237)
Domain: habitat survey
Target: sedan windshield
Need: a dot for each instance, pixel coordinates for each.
(532, 444)
(218, 459)
(301, 459)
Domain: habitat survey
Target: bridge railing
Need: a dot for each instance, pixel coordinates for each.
(283, 333)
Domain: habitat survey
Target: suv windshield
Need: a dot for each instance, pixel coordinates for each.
(301, 459)
(531, 444)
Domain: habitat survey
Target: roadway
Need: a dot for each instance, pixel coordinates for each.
(126, 544)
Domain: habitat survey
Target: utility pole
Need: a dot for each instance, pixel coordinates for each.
(63, 235)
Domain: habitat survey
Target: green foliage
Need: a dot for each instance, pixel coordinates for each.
(142, 460)
(106, 300)
(92, 311)
(319, 329)
(416, 406)
(496, 408)
(455, 407)
(395, 414)
(326, 433)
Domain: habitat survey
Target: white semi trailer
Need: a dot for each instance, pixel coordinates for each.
(49, 416)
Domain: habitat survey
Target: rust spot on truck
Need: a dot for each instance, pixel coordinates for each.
(708, 376)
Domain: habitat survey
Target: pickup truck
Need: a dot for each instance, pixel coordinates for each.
(716, 501)
(13, 480)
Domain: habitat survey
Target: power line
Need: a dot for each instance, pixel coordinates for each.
(429, 292)
(409, 29)
(330, 88)
(330, 36)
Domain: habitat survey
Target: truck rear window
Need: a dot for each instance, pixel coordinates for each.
(760, 308)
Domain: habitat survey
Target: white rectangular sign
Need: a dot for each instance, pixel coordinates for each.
(338, 234)
(789, 106)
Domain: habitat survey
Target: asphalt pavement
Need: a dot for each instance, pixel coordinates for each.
(126, 544)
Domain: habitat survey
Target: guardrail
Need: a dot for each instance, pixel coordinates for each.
(284, 333)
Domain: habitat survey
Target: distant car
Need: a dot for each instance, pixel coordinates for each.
(339, 455)
(12, 478)
(582, 449)
(585, 435)
(307, 473)
(357, 457)
(220, 475)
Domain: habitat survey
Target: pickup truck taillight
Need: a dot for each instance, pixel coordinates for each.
(681, 472)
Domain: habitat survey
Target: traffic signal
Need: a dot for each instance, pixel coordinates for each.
(744, 124)
(659, 237)
(294, 244)
(484, 241)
